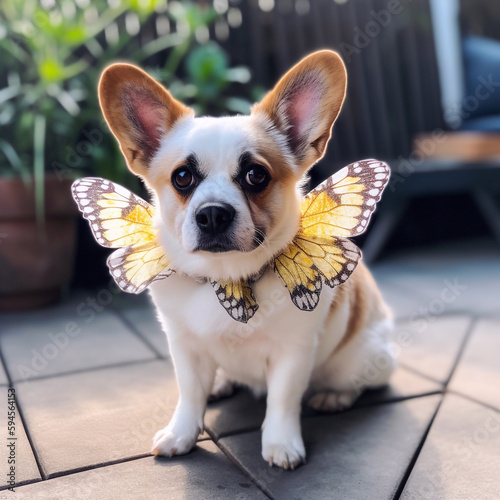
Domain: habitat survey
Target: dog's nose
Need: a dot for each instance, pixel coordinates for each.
(215, 219)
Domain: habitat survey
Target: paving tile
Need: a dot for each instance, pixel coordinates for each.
(36, 344)
(403, 385)
(144, 320)
(431, 345)
(460, 458)
(465, 274)
(242, 412)
(18, 449)
(203, 474)
(402, 302)
(478, 372)
(361, 454)
(98, 416)
(68, 305)
(448, 288)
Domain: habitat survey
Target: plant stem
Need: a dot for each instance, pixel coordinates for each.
(175, 58)
(39, 167)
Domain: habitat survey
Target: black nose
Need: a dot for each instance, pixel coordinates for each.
(215, 219)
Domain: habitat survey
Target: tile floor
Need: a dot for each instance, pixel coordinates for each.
(94, 382)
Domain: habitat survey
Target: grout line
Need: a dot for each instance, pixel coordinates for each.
(415, 456)
(78, 470)
(23, 420)
(137, 332)
(21, 483)
(247, 473)
(463, 345)
(317, 414)
(472, 325)
(101, 465)
(395, 400)
(416, 371)
(473, 400)
(87, 370)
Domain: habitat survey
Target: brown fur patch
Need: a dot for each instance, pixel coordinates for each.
(365, 302)
(274, 158)
(264, 205)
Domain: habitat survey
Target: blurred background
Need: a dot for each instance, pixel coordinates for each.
(424, 79)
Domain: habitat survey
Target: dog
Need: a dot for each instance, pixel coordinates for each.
(227, 193)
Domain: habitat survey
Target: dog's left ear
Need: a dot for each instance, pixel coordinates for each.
(139, 111)
(305, 103)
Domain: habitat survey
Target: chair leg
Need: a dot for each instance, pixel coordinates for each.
(388, 216)
(489, 209)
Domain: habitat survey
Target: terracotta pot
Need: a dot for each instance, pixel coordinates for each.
(36, 262)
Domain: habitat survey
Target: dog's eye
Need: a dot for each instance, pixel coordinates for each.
(182, 178)
(257, 177)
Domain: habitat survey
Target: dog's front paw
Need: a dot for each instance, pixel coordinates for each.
(169, 442)
(283, 446)
(287, 455)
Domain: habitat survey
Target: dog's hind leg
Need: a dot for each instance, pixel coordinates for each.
(366, 361)
(223, 387)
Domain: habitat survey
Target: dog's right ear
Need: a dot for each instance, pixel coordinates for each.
(139, 112)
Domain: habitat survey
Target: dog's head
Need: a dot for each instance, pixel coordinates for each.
(226, 189)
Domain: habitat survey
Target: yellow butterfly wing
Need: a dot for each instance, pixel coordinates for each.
(237, 298)
(135, 267)
(342, 205)
(334, 258)
(120, 219)
(303, 281)
(338, 208)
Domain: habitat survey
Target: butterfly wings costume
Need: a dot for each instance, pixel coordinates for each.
(320, 254)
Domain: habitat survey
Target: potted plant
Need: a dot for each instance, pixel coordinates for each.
(51, 129)
(47, 56)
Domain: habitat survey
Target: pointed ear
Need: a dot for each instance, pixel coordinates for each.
(305, 103)
(139, 112)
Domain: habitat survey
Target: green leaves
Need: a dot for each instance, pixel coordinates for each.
(191, 16)
(51, 57)
(50, 70)
(207, 67)
(209, 74)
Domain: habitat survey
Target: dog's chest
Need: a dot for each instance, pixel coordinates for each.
(192, 310)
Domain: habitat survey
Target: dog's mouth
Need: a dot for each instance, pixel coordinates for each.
(221, 245)
(215, 248)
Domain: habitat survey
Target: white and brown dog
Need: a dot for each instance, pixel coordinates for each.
(227, 192)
